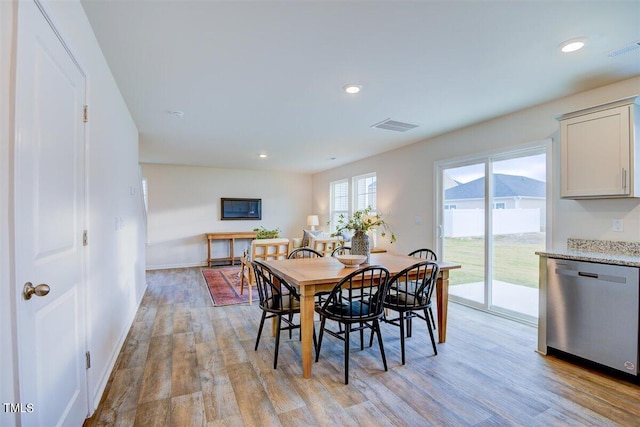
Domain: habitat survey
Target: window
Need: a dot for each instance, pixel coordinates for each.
(364, 187)
(145, 195)
(449, 206)
(499, 205)
(339, 200)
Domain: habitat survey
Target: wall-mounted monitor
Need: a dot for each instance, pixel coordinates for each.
(235, 208)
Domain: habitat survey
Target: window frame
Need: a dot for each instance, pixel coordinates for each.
(352, 197)
(333, 212)
(370, 197)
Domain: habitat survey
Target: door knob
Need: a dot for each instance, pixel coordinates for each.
(40, 290)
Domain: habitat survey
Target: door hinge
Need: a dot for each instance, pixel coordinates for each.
(85, 238)
(85, 114)
(88, 357)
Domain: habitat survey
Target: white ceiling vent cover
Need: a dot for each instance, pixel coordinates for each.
(626, 49)
(394, 125)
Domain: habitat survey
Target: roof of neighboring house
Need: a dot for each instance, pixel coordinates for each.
(504, 186)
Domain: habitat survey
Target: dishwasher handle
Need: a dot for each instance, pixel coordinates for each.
(586, 274)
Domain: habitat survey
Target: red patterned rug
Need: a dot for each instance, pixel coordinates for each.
(224, 286)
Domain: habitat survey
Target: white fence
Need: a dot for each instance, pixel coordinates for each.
(470, 222)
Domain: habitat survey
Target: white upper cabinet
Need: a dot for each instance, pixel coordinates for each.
(598, 151)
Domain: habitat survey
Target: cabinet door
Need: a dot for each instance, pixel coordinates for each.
(595, 154)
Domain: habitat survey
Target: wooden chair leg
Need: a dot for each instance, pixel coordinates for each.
(249, 284)
(242, 278)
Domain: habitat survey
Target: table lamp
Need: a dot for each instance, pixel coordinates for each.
(312, 220)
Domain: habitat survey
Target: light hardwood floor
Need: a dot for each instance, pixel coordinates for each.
(187, 363)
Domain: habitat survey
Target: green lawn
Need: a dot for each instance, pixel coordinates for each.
(515, 260)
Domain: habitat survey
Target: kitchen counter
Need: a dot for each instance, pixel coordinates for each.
(614, 259)
(600, 251)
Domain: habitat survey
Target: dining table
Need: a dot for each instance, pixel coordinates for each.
(311, 275)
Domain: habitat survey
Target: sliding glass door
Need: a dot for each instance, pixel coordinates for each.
(492, 217)
(463, 228)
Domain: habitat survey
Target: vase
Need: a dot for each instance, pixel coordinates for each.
(360, 245)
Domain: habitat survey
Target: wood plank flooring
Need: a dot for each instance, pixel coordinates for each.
(187, 363)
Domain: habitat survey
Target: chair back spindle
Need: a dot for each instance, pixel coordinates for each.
(304, 253)
(424, 253)
(341, 250)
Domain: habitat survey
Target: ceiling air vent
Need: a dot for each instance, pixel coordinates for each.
(626, 49)
(394, 125)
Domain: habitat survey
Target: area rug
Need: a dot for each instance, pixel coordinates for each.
(224, 286)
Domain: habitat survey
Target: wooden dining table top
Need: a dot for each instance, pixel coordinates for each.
(317, 271)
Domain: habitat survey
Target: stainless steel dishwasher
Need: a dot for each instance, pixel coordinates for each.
(592, 312)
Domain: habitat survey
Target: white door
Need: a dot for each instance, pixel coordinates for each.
(49, 221)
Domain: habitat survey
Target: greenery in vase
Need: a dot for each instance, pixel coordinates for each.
(362, 221)
(263, 233)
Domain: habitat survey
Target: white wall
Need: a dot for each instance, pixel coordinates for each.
(406, 175)
(116, 254)
(115, 262)
(184, 204)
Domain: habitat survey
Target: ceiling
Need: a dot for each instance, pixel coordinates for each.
(266, 77)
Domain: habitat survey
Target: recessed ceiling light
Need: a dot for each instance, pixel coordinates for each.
(352, 88)
(262, 156)
(573, 45)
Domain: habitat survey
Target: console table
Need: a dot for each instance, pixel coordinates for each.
(231, 236)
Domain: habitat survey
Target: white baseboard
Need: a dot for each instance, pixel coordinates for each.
(167, 266)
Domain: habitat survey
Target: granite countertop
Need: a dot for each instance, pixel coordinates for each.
(600, 251)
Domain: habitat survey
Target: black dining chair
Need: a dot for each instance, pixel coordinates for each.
(430, 255)
(277, 299)
(341, 250)
(304, 253)
(409, 301)
(424, 253)
(356, 302)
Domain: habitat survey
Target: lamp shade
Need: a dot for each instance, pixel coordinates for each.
(313, 220)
